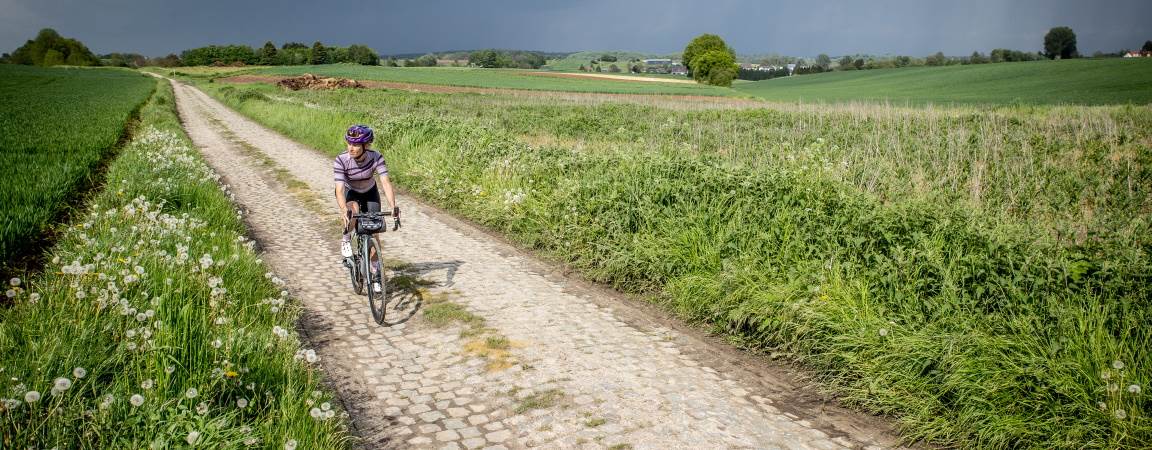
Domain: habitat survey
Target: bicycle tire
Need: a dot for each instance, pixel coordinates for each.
(355, 274)
(376, 300)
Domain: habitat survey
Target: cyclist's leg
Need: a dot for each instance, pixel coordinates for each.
(371, 203)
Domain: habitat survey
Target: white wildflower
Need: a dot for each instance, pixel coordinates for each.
(79, 372)
(325, 406)
(216, 343)
(136, 400)
(191, 393)
(1118, 365)
(242, 403)
(315, 413)
(202, 408)
(147, 384)
(61, 384)
(32, 397)
(290, 445)
(11, 293)
(1121, 414)
(883, 332)
(193, 437)
(33, 297)
(14, 282)
(1134, 388)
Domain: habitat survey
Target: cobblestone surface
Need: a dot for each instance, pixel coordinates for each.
(584, 374)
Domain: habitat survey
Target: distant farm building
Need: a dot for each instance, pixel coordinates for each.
(1138, 54)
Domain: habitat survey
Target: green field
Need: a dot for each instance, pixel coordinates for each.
(155, 324)
(981, 274)
(1075, 81)
(497, 78)
(56, 125)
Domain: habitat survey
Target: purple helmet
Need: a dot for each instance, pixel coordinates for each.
(358, 134)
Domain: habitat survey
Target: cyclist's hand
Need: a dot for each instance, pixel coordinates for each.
(395, 218)
(345, 220)
(396, 212)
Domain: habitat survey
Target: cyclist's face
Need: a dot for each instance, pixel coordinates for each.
(355, 150)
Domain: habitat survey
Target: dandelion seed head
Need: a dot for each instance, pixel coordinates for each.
(242, 403)
(216, 343)
(883, 332)
(202, 408)
(14, 282)
(79, 372)
(62, 384)
(147, 384)
(33, 297)
(191, 393)
(1121, 414)
(11, 293)
(1118, 365)
(315, 413)
(290, 445)
(325, 406)
(32, 397)
(193, 437)
(136, 400)
(1134, 388)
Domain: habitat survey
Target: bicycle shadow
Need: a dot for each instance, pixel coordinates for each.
(408, 284)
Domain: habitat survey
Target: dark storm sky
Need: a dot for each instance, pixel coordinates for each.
(796, 28)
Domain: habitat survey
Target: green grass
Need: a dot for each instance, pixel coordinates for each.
(1077, 81)
(56, 125)
(974, 272)
(498, 78)
(155, 292)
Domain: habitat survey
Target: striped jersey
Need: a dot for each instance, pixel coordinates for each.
(357, 175)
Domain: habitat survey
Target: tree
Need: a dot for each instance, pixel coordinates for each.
(361, 54)
(582, 68)
(858, 63)
(63, 51)
(715, 67)
(845, 63)
(607, 58)
(267, 54)
(702, 44)
(1147, 46)
(936, 59)
(1060, 42)
(319, 54)
(823, 61)
(614, 68)
(977, 58)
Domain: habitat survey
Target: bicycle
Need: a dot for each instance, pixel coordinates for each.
(359, 264)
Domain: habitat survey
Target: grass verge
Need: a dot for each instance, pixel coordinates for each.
(156, 324)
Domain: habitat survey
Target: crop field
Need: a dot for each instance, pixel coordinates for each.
(497, 78)
(1076, 81)
(56, 125)
(982, 274)
(156, 324)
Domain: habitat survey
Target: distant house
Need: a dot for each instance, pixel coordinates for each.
(1138, 54)
(657, 62)
(677, 69)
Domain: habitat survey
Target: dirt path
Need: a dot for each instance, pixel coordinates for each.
(605, 76)
(676, 101)
(585, 367)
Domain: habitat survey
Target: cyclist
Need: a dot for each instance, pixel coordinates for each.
(356, 171)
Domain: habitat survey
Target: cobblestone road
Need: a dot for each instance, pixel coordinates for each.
(583, 369)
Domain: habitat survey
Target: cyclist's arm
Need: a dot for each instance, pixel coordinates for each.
(386, 185)
(341, 203)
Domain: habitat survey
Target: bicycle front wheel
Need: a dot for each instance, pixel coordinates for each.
(377, 286)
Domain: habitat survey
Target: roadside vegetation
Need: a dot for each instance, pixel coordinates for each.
(1075, 81)
(155, 324)
(981, 274)
(56, 126)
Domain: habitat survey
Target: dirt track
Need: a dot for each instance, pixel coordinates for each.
(660, 100)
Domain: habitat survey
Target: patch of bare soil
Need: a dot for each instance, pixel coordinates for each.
(660, 100)
(605, 76)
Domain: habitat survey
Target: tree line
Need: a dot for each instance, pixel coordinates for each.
(511, 59)
(288, 54)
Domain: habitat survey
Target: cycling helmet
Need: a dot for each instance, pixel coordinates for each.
(358, 134)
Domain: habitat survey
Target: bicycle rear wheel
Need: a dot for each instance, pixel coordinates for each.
(377, 299)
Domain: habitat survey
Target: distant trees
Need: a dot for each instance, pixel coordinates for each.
(1060, 42)
(977, 58)
(824, 61)
(361, 54)
(319, 54)
(1147, 46)
(937, 59)
(613, 68)
(608, 58)
(267, 55)
(123, 60)
(51, 49)
(218, 55)
(701, 45)
(1000, 55)
(514, 59)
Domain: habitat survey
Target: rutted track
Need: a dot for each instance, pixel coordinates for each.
(590, 369)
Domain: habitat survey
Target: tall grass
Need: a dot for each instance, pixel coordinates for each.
(155, 325)
(966, 300)
(56, 125)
